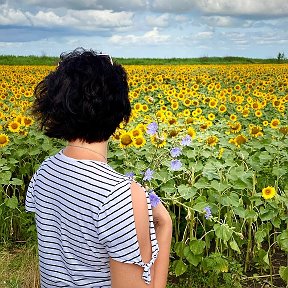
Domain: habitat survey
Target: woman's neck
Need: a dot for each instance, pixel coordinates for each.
(87, 151)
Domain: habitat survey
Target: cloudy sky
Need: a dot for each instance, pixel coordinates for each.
(145, 28)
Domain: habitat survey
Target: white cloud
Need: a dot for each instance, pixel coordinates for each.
(10, 16)
(158, 21)
(203, 35)
(267, 8)
(150, 37)
(115, 5)
(245, 7)
(173, 6)
(81, 19)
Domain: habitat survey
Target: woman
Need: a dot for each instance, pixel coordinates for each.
(95, 227)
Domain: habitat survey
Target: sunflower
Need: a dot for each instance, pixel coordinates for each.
(212, 140)
(213, 103)
(136, 132)
(238, 140)
(139, 141)
(14, 126)
(265, 123)
(28, 121)
(174, 105)
(173, 132)
(284, 130)
(4, 139)
(186, 112)
(187, 102)
(233, 117)
(255, 131)
(126, 140)
(144, 108)
(268, 192)
(274, 123)
(198, 111)
(281, 108)
(172, 120)
(211, 116)
(258, 113)
(235, 127)
(222, 108)
(245, 112)
(137, 106)
(20, 120)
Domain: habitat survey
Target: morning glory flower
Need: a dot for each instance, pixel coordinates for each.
(130, 174)
(186, 140)
(154, 199)
(148, 175)
(175, 165)
(152, 128)
(208, 213)
(175, 152)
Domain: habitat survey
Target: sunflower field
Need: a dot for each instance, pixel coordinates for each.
(210, 140)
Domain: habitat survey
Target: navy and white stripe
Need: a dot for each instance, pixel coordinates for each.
(84, 215)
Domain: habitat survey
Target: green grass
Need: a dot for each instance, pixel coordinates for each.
(19, 268)
(45, 60)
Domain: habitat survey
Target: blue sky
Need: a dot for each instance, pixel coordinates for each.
(145, 28)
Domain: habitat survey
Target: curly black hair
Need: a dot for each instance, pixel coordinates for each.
(85, 98)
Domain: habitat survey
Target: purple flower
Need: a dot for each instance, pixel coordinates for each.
(186, 140)
(130, 174)
(152, 128)
(175, 152)
(148, 175)
(175, 165)
(208, 213)
(154, 199)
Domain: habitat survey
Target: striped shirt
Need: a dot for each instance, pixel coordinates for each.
(84, 215)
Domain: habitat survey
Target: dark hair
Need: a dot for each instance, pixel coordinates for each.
(85, 98)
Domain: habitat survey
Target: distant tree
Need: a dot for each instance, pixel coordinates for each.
(281, 56)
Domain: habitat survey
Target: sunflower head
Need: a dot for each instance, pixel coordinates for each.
(4, 140)
(268, 192)
(125, 140)
(212, 140)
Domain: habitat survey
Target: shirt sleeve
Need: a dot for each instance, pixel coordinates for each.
(117, 231)
(30, 199)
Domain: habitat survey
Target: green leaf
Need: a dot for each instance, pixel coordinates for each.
(283, 271)
(266, 259)
(240, 211)
(197, 246)
(202, 183)
(162, 175)
(179, 248)
(219, 186)
(180, 267)
(169, 187)
(187, 192)
(267, 215)
(251, 214)
(199, 207)
(282, 240)
(233, 244)
(223, 231)
(16, 181)
(193, 259)
(276, 222)
(279, 171)
(260, 235)
(230, 200)
(5, 177)
(12, 202)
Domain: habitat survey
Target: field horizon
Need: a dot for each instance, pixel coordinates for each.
(205, 60)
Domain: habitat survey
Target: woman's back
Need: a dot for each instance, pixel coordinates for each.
(84, 215)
